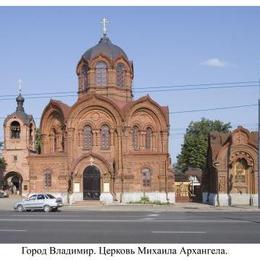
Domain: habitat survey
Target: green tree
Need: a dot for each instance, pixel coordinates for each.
(2, 164)
(2, 169)
(195, 146)
(38, 140)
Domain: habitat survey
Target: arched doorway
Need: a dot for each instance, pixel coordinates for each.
(91, 183)
(13, 183)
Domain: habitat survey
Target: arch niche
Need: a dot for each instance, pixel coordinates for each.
(91, 174)
(13, 182)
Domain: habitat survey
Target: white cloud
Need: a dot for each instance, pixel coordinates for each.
(215, 62)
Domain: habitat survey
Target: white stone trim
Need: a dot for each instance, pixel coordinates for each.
(153, 196)
(223, 199)
(106, 198)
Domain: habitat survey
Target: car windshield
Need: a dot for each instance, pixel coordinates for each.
(50, 196)
(33, 197)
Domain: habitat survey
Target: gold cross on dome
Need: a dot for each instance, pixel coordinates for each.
(104, 22)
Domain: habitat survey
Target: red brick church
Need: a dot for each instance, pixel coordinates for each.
(107, 146)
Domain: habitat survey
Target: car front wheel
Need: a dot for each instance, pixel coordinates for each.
(20, 208)
(47, 208)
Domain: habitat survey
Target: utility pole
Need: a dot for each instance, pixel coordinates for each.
(258, 167)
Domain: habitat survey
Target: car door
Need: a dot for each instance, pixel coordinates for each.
(40, 201)
(30, 202)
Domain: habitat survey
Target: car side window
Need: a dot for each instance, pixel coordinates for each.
(33, 197)
(40, 197)
(50, 196)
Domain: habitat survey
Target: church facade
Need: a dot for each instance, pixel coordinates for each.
(107, 146)
(231, 177)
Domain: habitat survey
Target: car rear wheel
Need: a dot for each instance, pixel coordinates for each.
(47, 208)
(20, 208)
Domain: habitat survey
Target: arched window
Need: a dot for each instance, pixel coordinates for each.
(47, 179)
(105, 137)
(146, 174)
(15, 130)
(101, 74)
(135, 140)
(87, 137)
(240, 170)
(148, 138)
(120, 74)
(84, 77)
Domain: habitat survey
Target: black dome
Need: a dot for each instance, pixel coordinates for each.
(20, 98)
(105, 47)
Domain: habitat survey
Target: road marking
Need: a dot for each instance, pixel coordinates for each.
(153, 215)
(13, 230)
(179, 232)
(147, 219)
(121, 220)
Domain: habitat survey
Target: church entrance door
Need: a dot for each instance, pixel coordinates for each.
(91, 183)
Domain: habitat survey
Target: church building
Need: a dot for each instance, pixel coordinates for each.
(107, 146)
(231, 177)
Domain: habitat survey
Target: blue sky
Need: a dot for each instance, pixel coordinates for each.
(168, 45)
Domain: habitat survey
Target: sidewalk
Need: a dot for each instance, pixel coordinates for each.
(7, 204)
(178, 207)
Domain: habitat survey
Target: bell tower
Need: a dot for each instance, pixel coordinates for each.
(19, 142)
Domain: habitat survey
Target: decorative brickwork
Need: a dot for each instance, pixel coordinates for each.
(98, 131)
(232, 166)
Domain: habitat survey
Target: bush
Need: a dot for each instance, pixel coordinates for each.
(145, 200)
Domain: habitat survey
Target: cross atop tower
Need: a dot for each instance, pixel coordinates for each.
(104, 22)
(20, 82)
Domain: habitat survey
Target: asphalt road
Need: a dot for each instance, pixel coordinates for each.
(129, 227)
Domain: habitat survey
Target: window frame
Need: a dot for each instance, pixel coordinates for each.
(15, 133)
(120, 74)
(87, 138)
(48, 179)
(146, 178)
(101, 74)
(105, 137)
(135, 137)
(148, 138)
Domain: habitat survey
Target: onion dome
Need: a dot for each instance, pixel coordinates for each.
(104, 47)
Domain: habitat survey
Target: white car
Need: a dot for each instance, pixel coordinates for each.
(41, 201)
(3, 194)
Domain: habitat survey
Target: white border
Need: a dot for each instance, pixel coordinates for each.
(129, 3)
(233, 251)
